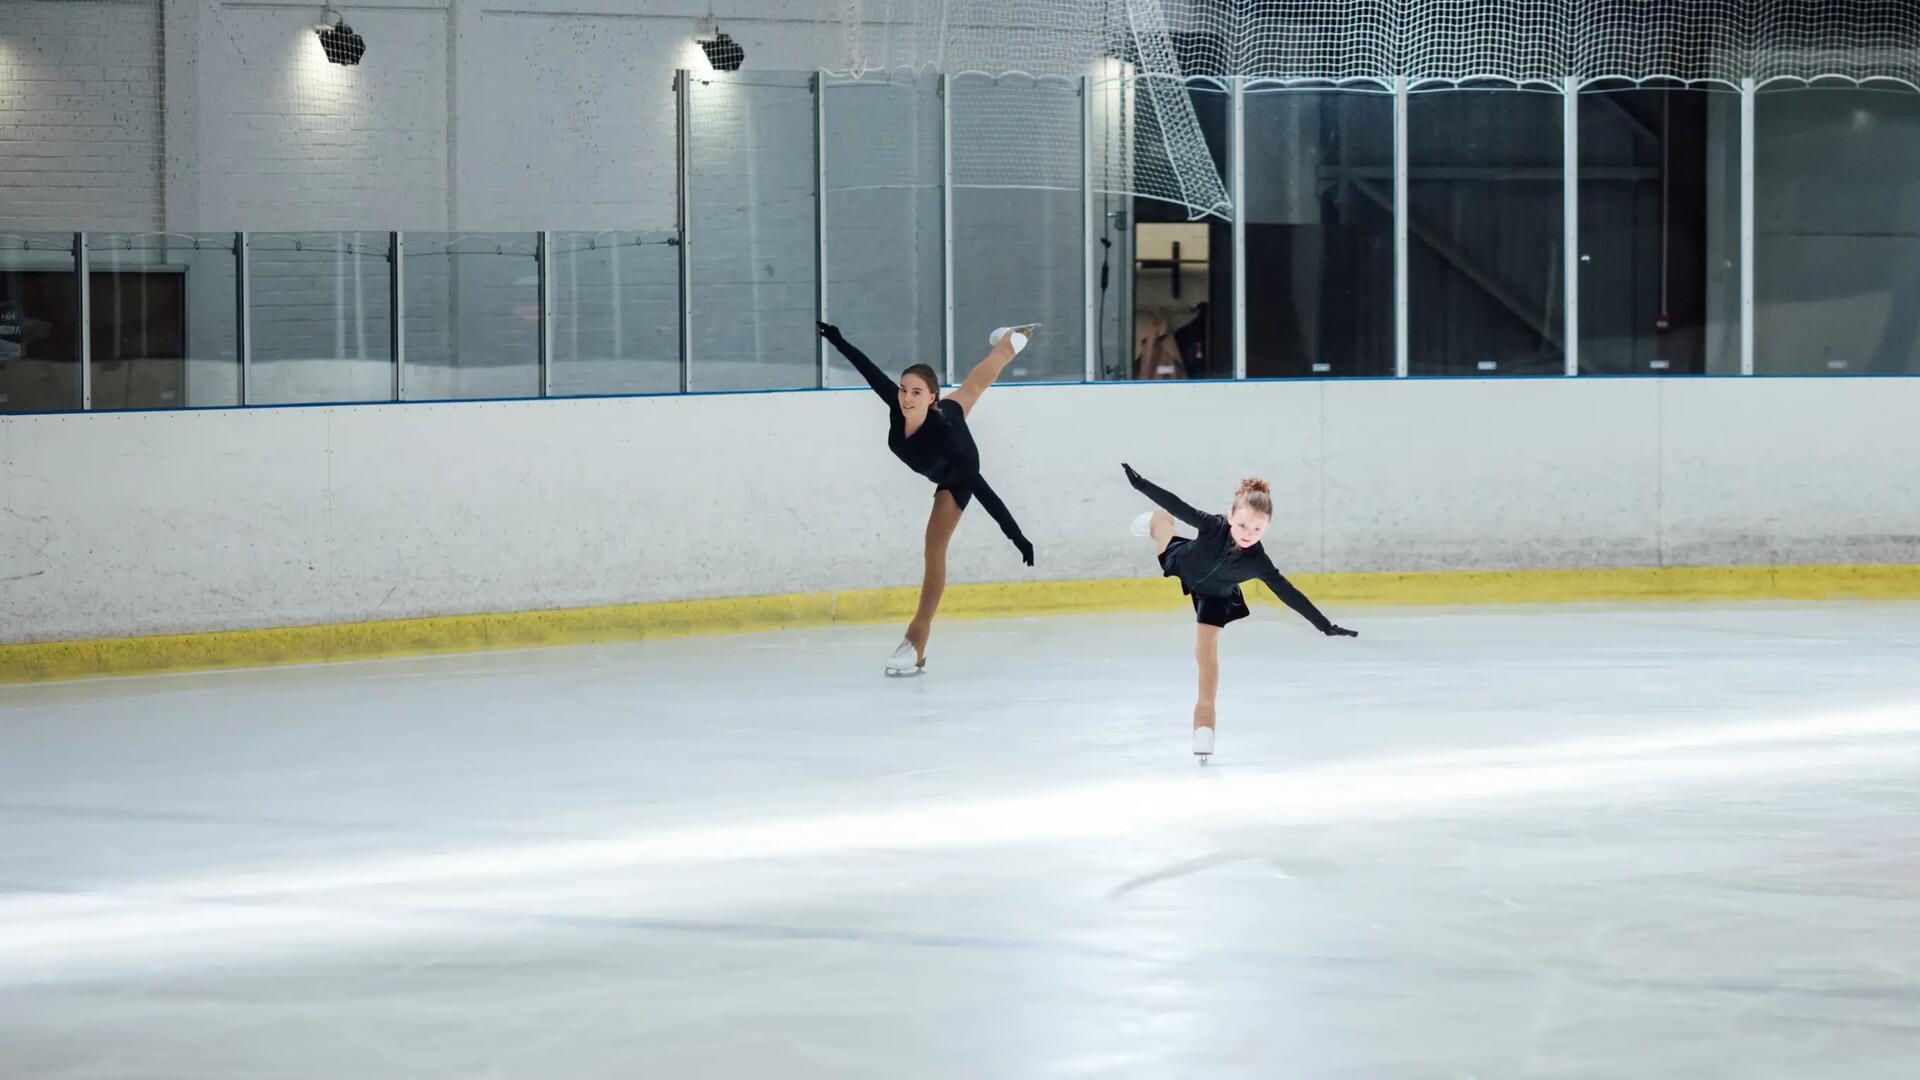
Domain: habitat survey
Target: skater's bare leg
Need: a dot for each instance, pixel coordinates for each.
(983, 375)
(1207, 653)
(941, 523)
(1161, 529)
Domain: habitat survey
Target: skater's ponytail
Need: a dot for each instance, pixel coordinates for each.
(1255, 495)
(926, 375)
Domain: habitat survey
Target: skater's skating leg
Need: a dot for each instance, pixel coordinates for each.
(940, 527)
(1207, 653)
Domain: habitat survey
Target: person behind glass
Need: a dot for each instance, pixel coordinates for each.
(929, 433)
(1211, 567)
(1155, 353)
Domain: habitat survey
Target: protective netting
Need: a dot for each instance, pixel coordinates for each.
(1023, 63)
(1692, 40)
(1144, 52)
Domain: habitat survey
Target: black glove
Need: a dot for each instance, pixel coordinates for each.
(1340, 631)
(829, 331)
(1132, 477)
(1026, 550)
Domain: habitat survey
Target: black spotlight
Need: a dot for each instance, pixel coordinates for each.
(338, 40)
(724, 53)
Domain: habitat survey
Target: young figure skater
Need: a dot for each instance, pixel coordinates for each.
(930, 434)
(1210, 568)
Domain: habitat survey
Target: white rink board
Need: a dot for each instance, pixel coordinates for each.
(178, 522)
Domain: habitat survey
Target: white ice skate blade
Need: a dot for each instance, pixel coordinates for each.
(908, 673)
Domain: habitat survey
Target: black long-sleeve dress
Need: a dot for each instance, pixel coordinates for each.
(1211, 566)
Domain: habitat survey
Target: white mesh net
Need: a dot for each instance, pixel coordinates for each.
(1142, 53)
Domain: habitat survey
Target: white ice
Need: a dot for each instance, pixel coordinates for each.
(1540, 842)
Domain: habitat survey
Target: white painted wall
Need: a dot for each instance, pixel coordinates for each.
(172, 522)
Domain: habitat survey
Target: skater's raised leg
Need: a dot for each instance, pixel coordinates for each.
(1161, 529)
(967, 394)
(1157, 525)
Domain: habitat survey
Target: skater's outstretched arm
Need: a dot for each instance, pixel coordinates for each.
(888, 390)
(1168, 501)
(1001, 515)
(1298, 601)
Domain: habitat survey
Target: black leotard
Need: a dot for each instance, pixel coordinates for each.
(942, 450)
(1212, 566)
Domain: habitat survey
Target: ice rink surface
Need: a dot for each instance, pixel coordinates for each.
(1505, 842)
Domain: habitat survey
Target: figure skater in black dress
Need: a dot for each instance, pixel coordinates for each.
(1211, 567)
(929, 433)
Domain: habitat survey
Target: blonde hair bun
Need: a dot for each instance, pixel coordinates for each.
(1255, 495)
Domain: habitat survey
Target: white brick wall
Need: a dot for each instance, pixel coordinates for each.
(80, 114)
(565, 108)
(292, 142)
(511, 116)
(567, 121)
